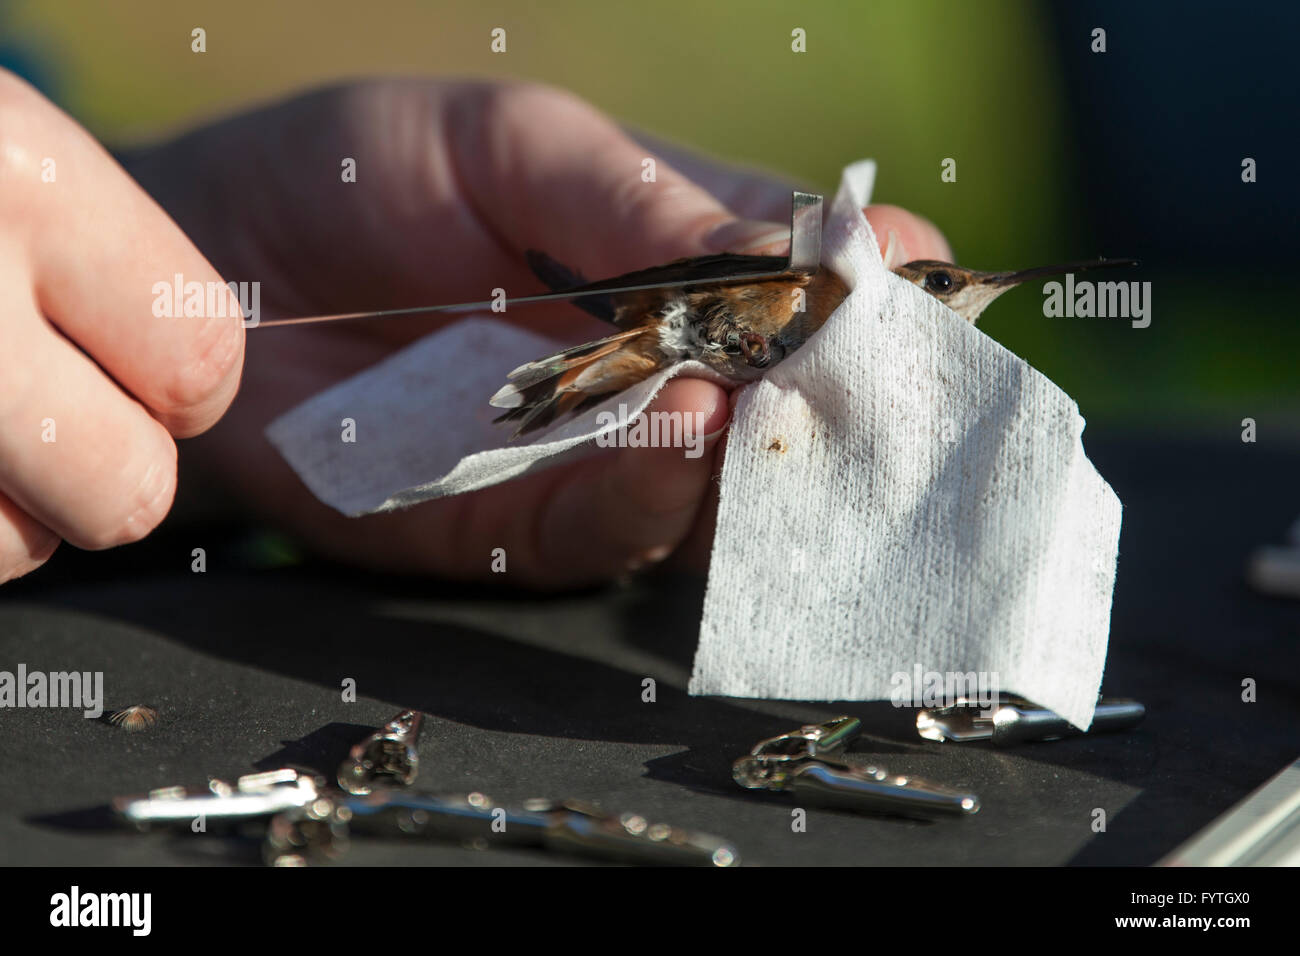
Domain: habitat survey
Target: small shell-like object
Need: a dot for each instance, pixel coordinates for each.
(135, 718)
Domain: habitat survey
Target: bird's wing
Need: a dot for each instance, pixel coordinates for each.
(702, 270)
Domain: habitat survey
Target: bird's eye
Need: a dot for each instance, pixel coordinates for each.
(733, 344)
(938, 282)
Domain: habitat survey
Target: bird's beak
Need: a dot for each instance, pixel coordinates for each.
(987, 286)
(1007, 280)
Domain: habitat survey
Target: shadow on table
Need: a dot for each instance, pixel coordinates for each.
(1184, 631)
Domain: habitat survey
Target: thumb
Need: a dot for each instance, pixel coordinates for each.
(555, 174)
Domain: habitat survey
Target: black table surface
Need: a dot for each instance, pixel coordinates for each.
(542, 696)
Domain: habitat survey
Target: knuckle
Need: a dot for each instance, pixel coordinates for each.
(25, 123)
(527, 97)
(517, 104)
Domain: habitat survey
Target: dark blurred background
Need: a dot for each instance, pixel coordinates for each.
(1062, 153)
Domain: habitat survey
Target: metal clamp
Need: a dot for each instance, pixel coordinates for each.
(1016, 720)
(388, 756)
(811, 763)
(249, 797)
(307, 821)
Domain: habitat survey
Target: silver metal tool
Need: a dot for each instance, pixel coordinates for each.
(811, 763)
(388, 757)
(1015, 720)
(805, 256)
(320, 832)
(250, 797)
(315, 833)
(1262, 830)
(308, 821)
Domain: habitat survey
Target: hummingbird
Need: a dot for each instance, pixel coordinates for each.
(739, 329)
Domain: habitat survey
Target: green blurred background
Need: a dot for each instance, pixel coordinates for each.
(907, 84)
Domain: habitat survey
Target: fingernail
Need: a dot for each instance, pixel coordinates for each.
(746, 235)
(655, 555)
(647, 558)
(712, 437)
(894, 252)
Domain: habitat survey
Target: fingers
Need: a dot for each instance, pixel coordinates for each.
(25, 543)
(76, 454)
(748, 192)
(101, 254)
(631, 508)
(546, 170)
(94, 373)
(580, 194)
(601, 517)
(757, 194)
(697, 547)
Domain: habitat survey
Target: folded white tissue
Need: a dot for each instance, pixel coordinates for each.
(900, 497)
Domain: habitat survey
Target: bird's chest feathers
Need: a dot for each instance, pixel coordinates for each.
(683, 332)
(695, 324)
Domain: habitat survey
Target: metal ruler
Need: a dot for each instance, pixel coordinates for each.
(804, 256)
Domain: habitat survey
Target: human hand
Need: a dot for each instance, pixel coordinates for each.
(454, 182)
(93, 386)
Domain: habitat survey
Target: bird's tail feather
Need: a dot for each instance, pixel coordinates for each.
(539, 392)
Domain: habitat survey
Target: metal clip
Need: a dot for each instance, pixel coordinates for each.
(1016, 720)
(388, 757)
(320, 832)
(810, 762)
(250, 797)
(311, 822)
(578, 827)
(315, 833)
